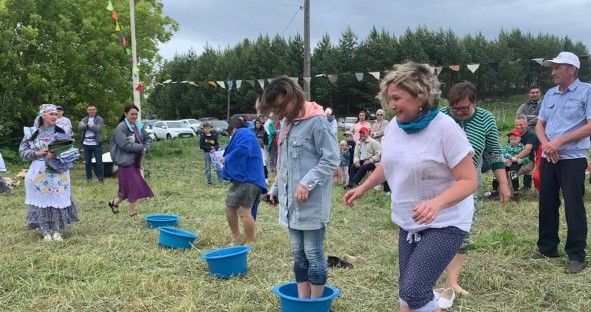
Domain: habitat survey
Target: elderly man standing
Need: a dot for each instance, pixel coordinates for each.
(331, 120)
(368, 153)
(563, 128)
(91, 128)
(378, 127)
(531, 108)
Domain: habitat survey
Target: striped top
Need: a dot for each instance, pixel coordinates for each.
(483, 135)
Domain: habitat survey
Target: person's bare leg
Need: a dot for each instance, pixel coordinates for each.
(316, 291)
(248, 223)
(454, 269)
(132, 209)
(232, 217)
(304, 290)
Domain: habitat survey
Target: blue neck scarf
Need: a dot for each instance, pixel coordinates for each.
(420, 123)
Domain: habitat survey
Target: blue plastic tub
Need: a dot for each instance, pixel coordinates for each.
(227, 262)
(176, 238)
(288, 297)
(158, 220)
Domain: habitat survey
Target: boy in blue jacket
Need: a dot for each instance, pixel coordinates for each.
(243, 167)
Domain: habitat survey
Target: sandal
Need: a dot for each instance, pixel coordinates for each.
(114, 208)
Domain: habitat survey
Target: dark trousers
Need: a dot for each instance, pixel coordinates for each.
(527, 181)
(95, 151)
(357, 174)
(567, 176)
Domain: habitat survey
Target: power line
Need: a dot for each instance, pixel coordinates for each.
(294, 16)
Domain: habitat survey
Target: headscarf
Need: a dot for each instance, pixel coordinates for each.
(47, 108)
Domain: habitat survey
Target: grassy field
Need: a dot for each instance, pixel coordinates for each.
(112, 262)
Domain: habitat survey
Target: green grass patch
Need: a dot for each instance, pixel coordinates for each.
(111, 262)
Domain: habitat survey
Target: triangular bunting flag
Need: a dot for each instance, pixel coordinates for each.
(494, 66)
(294, 79)
(269, 80)
(110, 6)
(238, 84)
(261, 83)
(140, 88)
(251, 82)
(117, 27)
(359, 76)
(538, 60)
(115, 15)
(376, 75)
(513, 62)
(167, 81)
(221, 84)
(211, 82)
(184, 81)
(473, 67)
(307, 80)
(320, 75)
(454, 67)
(438, 70)
(332, 78)
(230, 84)
(193, 83)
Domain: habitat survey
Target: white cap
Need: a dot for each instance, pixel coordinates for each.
(564, 58)
(328, 111)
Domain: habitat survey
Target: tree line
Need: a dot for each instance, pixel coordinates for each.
(506, 68)
(69, 53)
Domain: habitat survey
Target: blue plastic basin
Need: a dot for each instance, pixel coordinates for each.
(227, 262)
(288, 297)
(158, 220)
(176, 238)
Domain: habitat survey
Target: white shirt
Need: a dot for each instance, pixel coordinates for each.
(64, 123)
(89, 138)
(418, 167)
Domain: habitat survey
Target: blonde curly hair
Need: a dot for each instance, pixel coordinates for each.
(417, 79)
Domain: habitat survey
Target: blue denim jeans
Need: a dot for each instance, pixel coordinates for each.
(208, 164)
(309, 262)
(95, 151)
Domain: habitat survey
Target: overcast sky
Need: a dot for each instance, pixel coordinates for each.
(224, 23)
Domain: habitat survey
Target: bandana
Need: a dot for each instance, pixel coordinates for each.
(47, 108)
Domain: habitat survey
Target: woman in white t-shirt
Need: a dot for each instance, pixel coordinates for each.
(427, 161)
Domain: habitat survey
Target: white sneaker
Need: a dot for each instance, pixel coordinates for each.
(378, 187)
(47, 238)
(57, 236)
(445, 297)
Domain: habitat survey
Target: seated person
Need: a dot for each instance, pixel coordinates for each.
(367, 154)
(512, 163)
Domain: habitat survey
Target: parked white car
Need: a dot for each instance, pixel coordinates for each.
(193, 124)
(171, 129)
(347, 123)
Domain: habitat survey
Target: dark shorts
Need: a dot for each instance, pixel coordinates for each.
(242, 195)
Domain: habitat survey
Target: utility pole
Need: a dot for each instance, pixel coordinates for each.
(307, 48)
(135, 75)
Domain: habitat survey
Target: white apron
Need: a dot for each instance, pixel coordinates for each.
(47, 189)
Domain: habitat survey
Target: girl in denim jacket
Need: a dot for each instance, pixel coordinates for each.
(307, 159)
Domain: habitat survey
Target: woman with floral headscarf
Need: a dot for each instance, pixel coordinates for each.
(48, 194)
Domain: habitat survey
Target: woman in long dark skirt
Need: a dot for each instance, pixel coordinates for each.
(129, 143)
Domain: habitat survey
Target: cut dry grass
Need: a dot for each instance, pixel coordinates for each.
(111, 262)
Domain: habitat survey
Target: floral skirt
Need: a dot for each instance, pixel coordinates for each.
(51, 219)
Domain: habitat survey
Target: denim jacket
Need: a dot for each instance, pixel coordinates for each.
(309, 156)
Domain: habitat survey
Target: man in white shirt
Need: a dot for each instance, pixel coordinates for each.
(91, 128)
(331, 120)
(63, 122)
